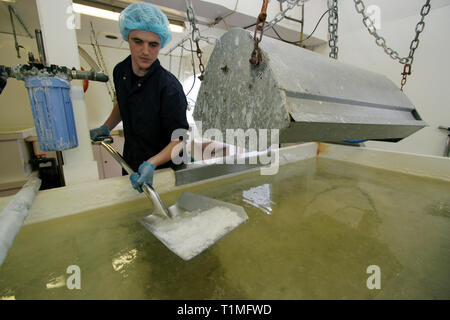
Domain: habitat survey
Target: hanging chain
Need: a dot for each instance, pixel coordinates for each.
(333, 20)
(196, 36)
(262, 26)
(415, 43)
(381, 42)
(282, 14)
(201, 67)
(406, 72)
(101, 61)
(256, 56)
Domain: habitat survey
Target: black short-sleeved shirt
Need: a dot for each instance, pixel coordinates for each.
(151, 107)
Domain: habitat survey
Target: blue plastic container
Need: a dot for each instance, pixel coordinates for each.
(52, 112)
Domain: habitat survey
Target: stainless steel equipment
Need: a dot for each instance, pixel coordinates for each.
(192, 224)
(306, 95)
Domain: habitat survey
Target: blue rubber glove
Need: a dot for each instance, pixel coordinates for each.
(134, 178)
(102, 131)
(144, 175)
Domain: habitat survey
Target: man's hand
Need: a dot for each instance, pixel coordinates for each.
(102, 131)
(144, 175)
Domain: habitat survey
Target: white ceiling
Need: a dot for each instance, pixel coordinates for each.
(207, 13)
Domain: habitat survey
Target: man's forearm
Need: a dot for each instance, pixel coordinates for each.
(114, 118)
(174, 147)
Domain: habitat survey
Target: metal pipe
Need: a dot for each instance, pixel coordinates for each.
(15, 213)
(303, 23)
(60, 162)
(22, 71)
(16, 44)
(88, 75)
(20, 20)
(40, 45)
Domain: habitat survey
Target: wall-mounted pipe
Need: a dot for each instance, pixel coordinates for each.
(14, 214)
(22, 71)
(40, 45)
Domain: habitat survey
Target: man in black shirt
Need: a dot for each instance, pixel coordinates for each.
(150, 100)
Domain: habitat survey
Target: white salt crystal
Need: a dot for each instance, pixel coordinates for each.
(192, 232)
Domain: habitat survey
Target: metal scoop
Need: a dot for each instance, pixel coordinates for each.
(192, 224)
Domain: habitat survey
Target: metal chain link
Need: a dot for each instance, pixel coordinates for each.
(196, 36)
(191, 17)
(201, 67)
(381, 42)
(415, 43)
(333, 20)
(282, 14)
(262, 25)
(256, 56)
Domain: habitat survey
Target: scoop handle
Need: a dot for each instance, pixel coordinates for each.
(158, 205)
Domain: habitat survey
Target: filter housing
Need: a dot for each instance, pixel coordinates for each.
(52, 112)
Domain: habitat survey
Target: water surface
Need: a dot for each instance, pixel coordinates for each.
(313, 230)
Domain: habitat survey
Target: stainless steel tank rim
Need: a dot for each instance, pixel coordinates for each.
(308, 96)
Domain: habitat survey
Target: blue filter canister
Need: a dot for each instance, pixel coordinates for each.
(53, 112)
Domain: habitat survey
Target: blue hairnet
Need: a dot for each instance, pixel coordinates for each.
(147, 17)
